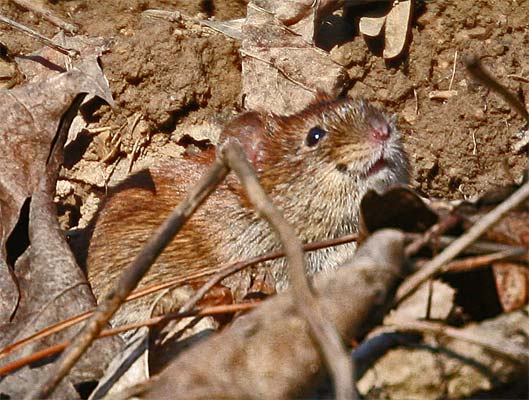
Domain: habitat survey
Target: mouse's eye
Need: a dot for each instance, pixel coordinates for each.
(315, 135)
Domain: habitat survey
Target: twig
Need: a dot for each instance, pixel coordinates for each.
(471, 263)
(433, 232)
(46, 14)
(431, 268)
(38, 36)
(502, 348)
(416, 97)
(278, 68)
(236, 267)
(130, 278)
(453, 71)
(204, 312)
(332, 349)
(223, 272)
(136, 146)
(478, 247)
(475, 148)
(518, 78)
(474, 67)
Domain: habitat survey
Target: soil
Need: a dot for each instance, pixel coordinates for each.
(173, 83)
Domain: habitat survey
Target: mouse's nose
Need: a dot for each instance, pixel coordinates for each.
(380, 130)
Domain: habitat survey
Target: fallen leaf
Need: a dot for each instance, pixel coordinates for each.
(372, 26)
(281, 72)
(512, 283)
(397, 26)
(398, 207)
(37, 116)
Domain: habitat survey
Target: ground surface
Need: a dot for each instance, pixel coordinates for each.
(176, 78)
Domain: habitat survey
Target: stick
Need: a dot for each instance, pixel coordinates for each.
(38, 36)
(474, 67)
(332, 349)
(204, 312)
(431, 268)
(130, 278)
(236, 267)
(433, 232)
(223, 272)
(471, 263)
(46, 14)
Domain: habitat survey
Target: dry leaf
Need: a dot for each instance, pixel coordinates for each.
(51, 284)
(281, 71)
(512, 283)
(372, 26)
(402, 209)
(397, 25)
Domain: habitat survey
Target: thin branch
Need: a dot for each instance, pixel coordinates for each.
(224, 271)
(502, 348)
(236, 267)
(203, 312)
(474, 67)
(471, 263)
(39, 9)
(478, 247)
(38, 36)
(330, 343)
(433, 232)
(434, 266)
(130, 278)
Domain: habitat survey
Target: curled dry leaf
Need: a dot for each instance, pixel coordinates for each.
(403, 209)
(396, 26)
(31, 115)
(512, 284)
(37, 116)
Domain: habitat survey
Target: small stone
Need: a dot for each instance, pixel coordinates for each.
(64, 188)
(478, 33)
(341, 55)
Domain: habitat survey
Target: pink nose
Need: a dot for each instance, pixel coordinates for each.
(380, 130)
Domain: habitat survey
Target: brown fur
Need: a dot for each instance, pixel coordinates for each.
(318, 189)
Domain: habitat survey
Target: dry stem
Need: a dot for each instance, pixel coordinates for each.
(435, 265)
(38, 36)
(46, 14)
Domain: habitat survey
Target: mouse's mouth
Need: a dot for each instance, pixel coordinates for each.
(377, 166)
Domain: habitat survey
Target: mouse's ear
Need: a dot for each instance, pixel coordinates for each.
(248, 130)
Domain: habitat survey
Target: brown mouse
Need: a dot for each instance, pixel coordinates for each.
(316, 165)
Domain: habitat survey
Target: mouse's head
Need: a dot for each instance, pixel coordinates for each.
(343, 140)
